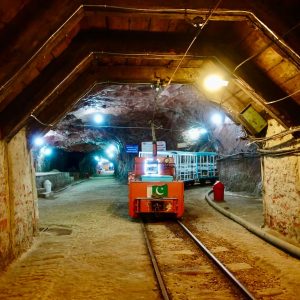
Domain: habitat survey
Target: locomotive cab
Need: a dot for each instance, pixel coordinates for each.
(153, 188)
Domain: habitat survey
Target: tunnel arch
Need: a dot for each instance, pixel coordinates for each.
(55, 55)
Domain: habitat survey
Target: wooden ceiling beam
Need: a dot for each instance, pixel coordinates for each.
(161, 13)
(95, 42)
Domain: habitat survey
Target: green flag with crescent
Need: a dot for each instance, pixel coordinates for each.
(157, 191)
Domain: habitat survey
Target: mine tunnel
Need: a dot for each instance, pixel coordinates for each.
(196, 102)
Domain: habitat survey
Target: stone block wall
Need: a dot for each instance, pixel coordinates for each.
(18, 199)
(281, 182)
(58, 179)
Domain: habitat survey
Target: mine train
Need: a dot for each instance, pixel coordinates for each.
(157, 183)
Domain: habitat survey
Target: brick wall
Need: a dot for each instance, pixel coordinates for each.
(281, 179)
(18, 199)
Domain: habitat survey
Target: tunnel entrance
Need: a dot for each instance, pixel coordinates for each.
(95, 136)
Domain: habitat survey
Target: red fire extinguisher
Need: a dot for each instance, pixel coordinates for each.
(218, 190)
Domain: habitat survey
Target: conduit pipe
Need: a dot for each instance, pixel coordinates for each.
(285, 246)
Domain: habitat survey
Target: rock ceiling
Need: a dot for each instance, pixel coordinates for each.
(128, 111)
(63, 58)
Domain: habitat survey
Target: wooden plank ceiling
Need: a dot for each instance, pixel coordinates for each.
(52, 53)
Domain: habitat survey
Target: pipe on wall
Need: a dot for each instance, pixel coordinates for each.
(285, 246)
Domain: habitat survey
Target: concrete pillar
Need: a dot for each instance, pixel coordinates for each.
(18, 198)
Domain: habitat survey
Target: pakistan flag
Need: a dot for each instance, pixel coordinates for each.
(157, 191)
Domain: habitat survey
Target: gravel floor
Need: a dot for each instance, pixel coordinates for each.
(265, 270)
(90, 249)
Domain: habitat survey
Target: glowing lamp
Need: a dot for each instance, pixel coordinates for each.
(202, 130)
(217, 119)
(38, 141)
(213, 83)
(47, 151)
(98, 118)
(110, 154)
(194, 133)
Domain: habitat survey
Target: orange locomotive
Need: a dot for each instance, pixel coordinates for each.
(152, 188)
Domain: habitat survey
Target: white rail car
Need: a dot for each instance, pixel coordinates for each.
(191, 166)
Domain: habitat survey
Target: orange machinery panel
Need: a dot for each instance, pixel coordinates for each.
(141, 200)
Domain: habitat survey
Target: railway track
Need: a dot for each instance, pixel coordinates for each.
(185, 268)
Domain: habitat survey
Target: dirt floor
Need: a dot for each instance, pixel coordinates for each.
(89, 248)
(265, 270)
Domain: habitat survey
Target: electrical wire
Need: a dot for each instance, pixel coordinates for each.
(181, 60)
(276, 39)
(241, 154)
(279, 152)
(265, 47)
(42, 123)
(194, 39)
(177, 57)
(128, 127)
(283, 98)
(275, 136)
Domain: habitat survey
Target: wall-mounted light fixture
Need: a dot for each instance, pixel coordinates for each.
(38, 141)
(46, 151)
(195, 133)
(213, 83)
(217, 119)
(98, 118)
(111, 151)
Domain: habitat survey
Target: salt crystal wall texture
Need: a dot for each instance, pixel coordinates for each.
(18, 199)
(281, 184)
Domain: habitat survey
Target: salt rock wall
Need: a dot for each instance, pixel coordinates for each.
(18, 199)
(282, 186)
(5, 243)
(124, 164)
(240, 167)
(241, 174)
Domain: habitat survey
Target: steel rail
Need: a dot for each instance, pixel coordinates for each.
(155, 265)
(217, 262)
